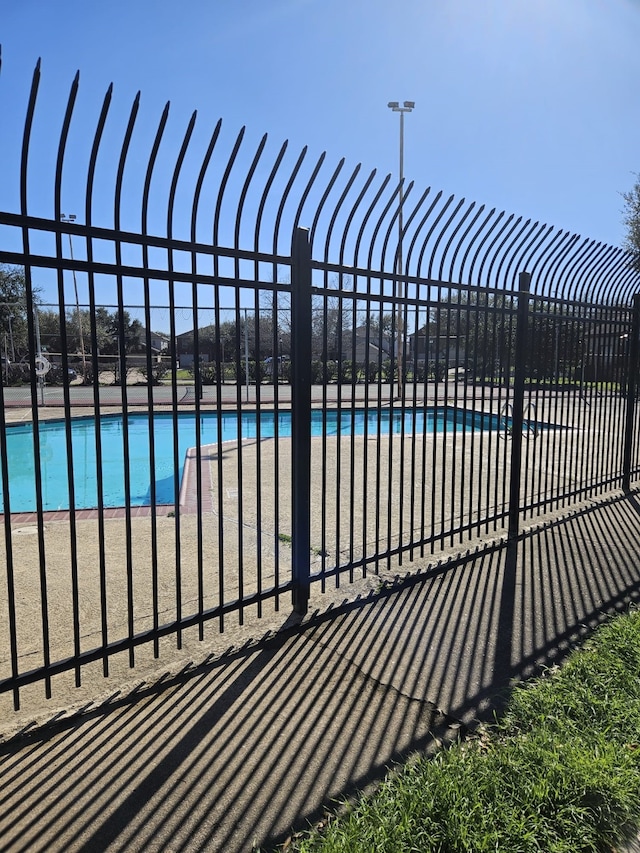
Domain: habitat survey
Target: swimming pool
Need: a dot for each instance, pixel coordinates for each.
(53, 453)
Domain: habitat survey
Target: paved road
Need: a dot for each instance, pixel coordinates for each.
(184, 393)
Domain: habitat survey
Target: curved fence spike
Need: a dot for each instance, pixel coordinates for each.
(307, 189)
(223, 186)
(500, 239)
(625, 274)
(352, 214)
(365, 221)
(479, 231)
(563, 277)
(453, 234)
(616, 263)
(245, 189)
(323, 200)
(62, 144)
(463, 238)
(176, 172)
(629, 281)
(407, 221)
(487, 235)
(420, 226)
(619, 270)
(285, 196)
(123, 157)
(510, 240)
(590, 253)
(392, 229)
(336, 210)
(522, 256)
(524, 251)
(431, 230)
(590, 287)
(378, 226)
(609, 276)
(265, 193)
(200, 181)
(595, 256)
(93, 158)
(605, 292)
(150, 166)
(407, 226)
(550, 260)
(26, 138)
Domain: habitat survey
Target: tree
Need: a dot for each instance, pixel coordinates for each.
(49, 323)
(118, 336)
(379, 325)
(631, 219)
(108, 333)
(13, 311)
(275, 329)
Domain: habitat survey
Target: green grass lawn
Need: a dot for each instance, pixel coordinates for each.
(559, 773)
(183, 373)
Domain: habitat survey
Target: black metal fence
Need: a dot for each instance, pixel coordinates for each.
(200, 426)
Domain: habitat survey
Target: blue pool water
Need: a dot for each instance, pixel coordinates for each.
(53, 453)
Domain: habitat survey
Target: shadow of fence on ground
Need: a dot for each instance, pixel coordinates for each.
(237, 751)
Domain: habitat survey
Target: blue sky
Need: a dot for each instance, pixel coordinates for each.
(529, 107)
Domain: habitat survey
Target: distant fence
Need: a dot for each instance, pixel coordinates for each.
(341, 416)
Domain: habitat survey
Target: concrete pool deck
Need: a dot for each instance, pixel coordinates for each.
(231, 750)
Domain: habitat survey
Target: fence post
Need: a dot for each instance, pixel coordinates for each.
(301, 417)
(522, 330)
(634, 339)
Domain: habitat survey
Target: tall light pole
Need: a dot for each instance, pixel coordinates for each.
(72, 218)
(407, 107)
(13, 351)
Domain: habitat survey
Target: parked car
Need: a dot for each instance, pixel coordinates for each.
(55, 376)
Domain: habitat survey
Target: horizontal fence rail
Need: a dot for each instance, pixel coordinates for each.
(201, 423)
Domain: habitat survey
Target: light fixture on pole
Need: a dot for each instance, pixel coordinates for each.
(72, 218)
(407, 107)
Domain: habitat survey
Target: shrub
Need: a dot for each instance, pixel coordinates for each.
(158, 373)
(208, 373)
(317, 371)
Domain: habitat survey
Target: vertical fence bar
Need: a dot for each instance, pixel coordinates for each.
(8, 545)
(634, 348)
(301, 417)
(518, 403)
